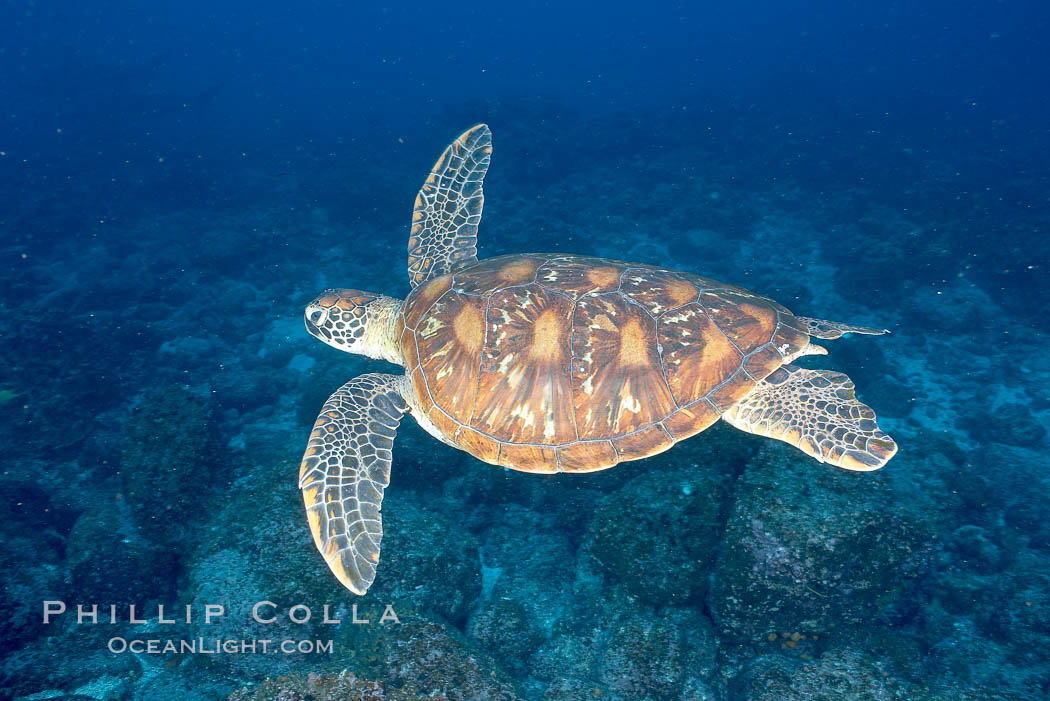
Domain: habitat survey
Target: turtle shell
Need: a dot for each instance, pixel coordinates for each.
(550, 363)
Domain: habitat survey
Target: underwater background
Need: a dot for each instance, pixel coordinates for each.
(179, 180)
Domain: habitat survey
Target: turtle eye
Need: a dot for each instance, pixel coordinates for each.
(316, 316)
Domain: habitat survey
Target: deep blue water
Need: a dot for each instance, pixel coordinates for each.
(179, 182)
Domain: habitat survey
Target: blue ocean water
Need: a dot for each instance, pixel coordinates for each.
(180, 181)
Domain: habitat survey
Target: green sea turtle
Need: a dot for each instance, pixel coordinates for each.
(548, 363)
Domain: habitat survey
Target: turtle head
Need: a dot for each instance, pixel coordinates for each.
(356, 322)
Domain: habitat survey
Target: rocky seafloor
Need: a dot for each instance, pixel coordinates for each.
(157, 387)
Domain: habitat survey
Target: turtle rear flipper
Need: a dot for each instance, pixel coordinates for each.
(345, 470)
(818, 412)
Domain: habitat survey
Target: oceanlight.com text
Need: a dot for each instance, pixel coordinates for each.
(219, 646)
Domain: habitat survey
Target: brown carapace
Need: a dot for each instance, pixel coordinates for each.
(559, 363)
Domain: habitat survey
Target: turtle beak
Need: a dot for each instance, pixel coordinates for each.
(318, 331)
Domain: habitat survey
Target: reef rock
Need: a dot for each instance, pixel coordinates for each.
(171, 458)
(505, 630)
(31, 549)
(111, 564)
(1012, 424)
(659, 533)
(837, 675)
(612, 642)
(811, 548)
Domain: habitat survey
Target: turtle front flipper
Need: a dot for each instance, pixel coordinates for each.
(828, 330)
(445, 221)
(345, 470)
(818, 412)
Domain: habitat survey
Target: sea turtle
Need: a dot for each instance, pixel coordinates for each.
(552, 363)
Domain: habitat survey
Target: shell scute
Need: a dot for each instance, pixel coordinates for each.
(423, 297)
(587, 456)
(529, 458)
(578, 275)
(787, 339)
(691, 419)
(489, 276)
(443, 422)
(763, 361)
(482, 447)
(732, 390)
(409, 351)
(746, 320)
(450, 338)
(641, 444)
(618, 385)
(658, 290)
(525, 388)
(697, 355)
